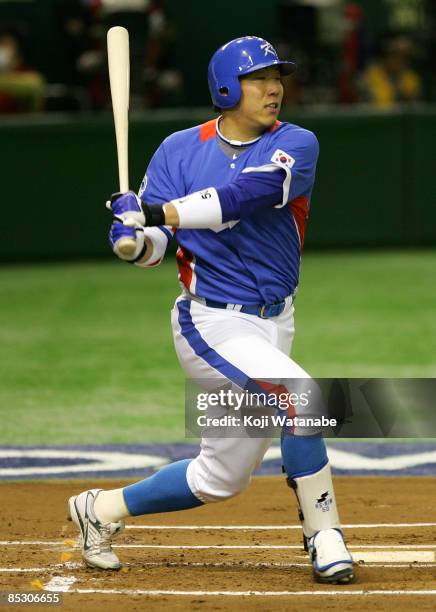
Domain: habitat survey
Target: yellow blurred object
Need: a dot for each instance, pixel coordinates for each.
(37, 584)
(28, 88)
(65, 557)
(71, 543)
(384, 92)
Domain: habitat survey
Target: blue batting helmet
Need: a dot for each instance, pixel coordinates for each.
(236, 58)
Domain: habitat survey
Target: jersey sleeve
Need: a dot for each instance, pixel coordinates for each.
(283, 174)
(296, 154)
(158, 187)
(250, 192)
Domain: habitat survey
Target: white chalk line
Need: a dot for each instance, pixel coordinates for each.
(263, 564)
(60, 584)
(32, 543)
(390, 556)
(56, 566)
(342, 593)
(63, 583)
(274, 527)
(229, 564)
(271, 546)
(232, 564)
(221, 547)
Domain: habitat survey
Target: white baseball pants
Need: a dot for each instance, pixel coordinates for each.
(215, 344)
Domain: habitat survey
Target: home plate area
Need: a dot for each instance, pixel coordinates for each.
(245, 552)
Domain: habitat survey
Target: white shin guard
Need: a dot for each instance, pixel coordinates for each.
(316, 499)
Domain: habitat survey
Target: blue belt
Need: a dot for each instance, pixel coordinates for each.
(265, 311)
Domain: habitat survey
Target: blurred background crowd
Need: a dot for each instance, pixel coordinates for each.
(375, 52)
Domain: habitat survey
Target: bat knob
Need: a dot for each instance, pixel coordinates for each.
(126, 247)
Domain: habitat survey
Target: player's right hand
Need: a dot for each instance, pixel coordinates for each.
(118, 231)
(127, 208)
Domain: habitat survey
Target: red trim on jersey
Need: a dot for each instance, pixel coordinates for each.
(184, 260)
(276, 125)
(299, 208)
(277, 390)
(208, 130)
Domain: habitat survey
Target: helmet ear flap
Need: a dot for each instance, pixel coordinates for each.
(228, 94)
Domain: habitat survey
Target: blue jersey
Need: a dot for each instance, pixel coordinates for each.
(256, 258)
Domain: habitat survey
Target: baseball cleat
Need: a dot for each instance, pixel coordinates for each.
(95, 537)
(331, 561)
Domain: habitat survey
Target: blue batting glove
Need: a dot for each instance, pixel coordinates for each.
(127, 209)
(118, 231)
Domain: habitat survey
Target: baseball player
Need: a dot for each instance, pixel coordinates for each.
(235, 193)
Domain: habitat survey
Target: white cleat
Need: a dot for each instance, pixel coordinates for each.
(95, 537)
(331, 560)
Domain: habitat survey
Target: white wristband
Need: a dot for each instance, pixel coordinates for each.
(199, 210)
(159, 241)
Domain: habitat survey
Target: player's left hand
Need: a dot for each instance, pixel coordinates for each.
(119, 231)
(127, 209)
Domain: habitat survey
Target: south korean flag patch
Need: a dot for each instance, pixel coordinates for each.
(282, 159)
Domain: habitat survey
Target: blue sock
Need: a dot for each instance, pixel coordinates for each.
(303, 455)
(165, 491)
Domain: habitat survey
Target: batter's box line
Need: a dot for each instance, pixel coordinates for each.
(275, 527)
(229, 564)
(55, 567)
(340, 593)
(54, 543)
(270, 546)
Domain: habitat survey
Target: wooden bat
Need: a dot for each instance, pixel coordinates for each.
(119, 78)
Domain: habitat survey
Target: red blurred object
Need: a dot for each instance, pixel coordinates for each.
(353, 11)
(351, 54)
(8, 103)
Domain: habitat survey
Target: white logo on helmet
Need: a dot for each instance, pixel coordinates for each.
(268, 48)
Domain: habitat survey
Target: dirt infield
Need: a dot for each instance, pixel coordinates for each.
(255, 565)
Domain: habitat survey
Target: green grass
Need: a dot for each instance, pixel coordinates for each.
(87, 351)
(367, 314)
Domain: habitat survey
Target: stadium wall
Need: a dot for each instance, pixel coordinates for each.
(374, 184)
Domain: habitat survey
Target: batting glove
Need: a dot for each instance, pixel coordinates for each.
(119, 231)
(127, 208)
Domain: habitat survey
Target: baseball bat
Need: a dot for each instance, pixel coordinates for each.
(119, 78)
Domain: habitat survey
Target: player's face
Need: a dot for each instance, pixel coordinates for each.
(261, 98)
